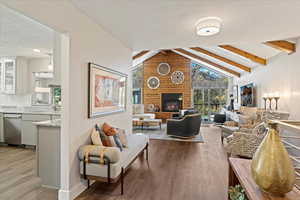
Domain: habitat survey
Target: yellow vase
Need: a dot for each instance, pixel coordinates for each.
(271, 167)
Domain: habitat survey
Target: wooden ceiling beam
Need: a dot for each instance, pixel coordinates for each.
(187, 53)
(139, 54)
(221, 58)
(282, 45)
(245, 54)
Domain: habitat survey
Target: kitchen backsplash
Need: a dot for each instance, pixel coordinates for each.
(15, 100)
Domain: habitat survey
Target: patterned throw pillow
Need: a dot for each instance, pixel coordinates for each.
(95, 137)
(104, 138)
(123, 138)
(109, 130)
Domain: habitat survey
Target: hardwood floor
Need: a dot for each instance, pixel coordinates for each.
(177, 171)
(18, 179)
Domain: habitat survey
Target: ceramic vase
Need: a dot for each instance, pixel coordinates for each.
(271, 167)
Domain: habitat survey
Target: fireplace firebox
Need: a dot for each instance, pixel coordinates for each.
(171, 102)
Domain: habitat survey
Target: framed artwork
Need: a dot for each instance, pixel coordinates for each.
(107, 91)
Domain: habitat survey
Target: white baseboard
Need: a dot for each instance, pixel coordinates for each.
(73, 193)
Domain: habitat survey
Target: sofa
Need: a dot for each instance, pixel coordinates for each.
(115, 163)
(187, 127)
(138, 112)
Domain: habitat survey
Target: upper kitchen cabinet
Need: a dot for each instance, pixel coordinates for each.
(13, 75)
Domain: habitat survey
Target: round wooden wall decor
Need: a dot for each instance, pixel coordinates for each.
(177, 77)
(163, 69)
(153, 82)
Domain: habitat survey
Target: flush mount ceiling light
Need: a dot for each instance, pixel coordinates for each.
(37, 50)
(208, 26)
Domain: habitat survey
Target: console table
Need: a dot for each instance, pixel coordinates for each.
(240, 173)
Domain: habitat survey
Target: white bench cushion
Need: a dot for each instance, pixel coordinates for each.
(136, 142)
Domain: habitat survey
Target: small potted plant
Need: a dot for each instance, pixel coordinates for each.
(237, 193)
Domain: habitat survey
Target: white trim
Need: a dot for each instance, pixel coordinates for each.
(74, 192)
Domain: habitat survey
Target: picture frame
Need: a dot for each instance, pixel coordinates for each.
(107, 89)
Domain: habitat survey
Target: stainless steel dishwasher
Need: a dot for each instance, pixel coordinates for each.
(12, 128)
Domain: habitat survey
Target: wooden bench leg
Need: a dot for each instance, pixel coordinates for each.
(147, 152)
(122, 181)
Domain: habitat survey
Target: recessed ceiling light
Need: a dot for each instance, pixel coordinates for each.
(37, 50)
(208, 26)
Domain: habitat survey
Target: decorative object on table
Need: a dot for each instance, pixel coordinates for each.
(270, 98)
(107, 91)
(153, 82)
(271, 167)
(265, 98)
(163, 69)
(276, 97)
(177, 77)
(150, 108)
(237, 193)
(156, 108)
(247, 95)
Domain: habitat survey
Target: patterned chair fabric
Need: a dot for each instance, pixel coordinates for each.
(246, 140)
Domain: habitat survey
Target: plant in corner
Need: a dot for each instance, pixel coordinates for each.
(237, 193)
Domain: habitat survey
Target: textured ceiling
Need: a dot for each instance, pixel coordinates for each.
(19, 35)
(167, 24)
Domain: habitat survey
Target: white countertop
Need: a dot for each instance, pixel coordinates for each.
(27, 111)
(49, 123)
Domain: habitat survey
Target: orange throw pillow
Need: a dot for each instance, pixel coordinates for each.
(108, 130)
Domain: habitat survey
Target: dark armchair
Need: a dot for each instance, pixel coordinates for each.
(188, 126)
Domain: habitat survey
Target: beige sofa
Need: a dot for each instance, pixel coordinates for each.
(116, 161)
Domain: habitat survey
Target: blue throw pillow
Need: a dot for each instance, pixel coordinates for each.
(101, 133)
(118, 141)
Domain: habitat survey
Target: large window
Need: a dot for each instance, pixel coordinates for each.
(137, 85)
(210, 91)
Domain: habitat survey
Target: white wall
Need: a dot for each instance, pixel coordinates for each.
(88, 43)
(281, 75)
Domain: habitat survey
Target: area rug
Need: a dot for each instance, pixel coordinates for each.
(160, 134)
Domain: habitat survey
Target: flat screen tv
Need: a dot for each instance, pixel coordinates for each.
(247, 95)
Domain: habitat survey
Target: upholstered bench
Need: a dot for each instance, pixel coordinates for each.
(116, 162)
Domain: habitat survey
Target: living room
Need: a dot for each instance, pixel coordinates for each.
(213, 68)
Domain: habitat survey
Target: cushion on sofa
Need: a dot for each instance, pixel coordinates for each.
(95, 137)
(108, 130)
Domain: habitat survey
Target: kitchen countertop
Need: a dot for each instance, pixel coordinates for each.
(49, 123)
(23, 111)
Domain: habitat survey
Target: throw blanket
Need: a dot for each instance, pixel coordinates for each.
(96, 153)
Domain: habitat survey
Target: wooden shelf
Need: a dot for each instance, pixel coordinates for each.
(240, 173)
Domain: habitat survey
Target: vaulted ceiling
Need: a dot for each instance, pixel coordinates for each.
(228, 59)
(168, 24)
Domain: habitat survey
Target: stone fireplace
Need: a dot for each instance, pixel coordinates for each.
(171, 102)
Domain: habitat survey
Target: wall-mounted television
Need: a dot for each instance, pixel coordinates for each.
(247, 95)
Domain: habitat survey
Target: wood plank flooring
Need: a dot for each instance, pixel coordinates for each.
(177, 171)
(18, 178)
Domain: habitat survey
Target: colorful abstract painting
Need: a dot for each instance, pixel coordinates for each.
(107, 91)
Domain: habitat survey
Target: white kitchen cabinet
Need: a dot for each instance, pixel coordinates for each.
(29, 131)
(13, 75)
(1, 128)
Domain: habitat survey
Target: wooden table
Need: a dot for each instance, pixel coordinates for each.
(240, 173)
